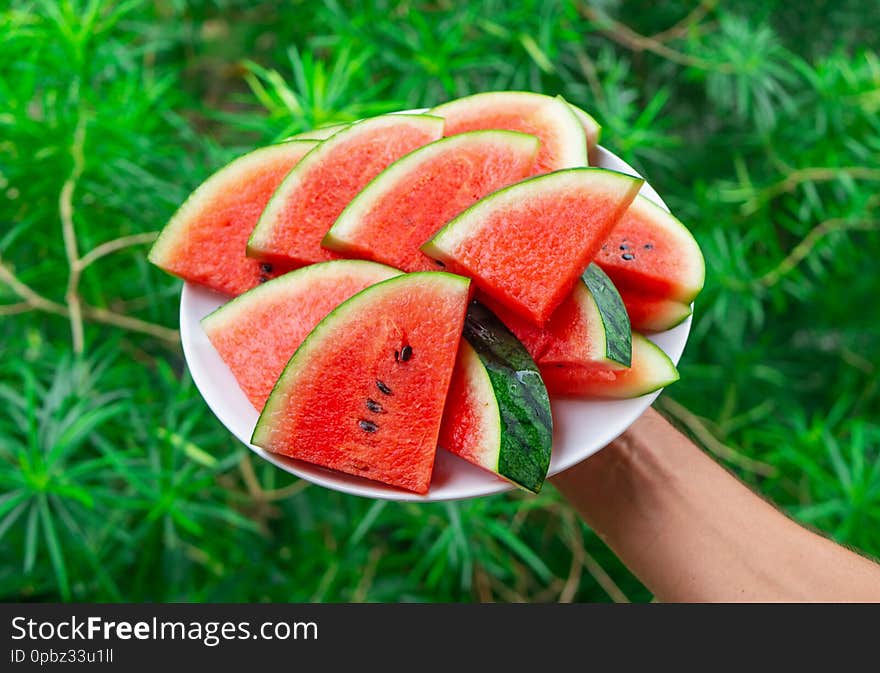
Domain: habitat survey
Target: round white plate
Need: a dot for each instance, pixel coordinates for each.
(581, 427)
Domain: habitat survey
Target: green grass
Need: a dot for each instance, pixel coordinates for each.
(759, 124)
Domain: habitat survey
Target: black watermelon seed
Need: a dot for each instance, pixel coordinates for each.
(381, 386)
(648, 246)
(263, 278)
(374, 406)
(439, 263)
(266, 267)
(628, 256)
(406, 353)
(396, 355)
(624, 247)
(367, 426)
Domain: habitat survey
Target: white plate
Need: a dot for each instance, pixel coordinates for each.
(581, 427)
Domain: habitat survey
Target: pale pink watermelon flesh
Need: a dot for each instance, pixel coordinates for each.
(652, 314)
(310, 199)
(408, 202)
(651, 370)
(258, 332)
(364, 393)
(563, 140)
(204, 242)
(526, 245)
(651, 253)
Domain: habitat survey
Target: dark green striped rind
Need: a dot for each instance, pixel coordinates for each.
(523, 404)
(618, 331)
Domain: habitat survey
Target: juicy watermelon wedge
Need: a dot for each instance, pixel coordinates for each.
(526, 245)
(205, 240)
(651, 253)
(411, 199)
(651, 314)
(651, 370)
(563, 141)
(497, 413)
(313, 195)
(364, 393)
(258, 332)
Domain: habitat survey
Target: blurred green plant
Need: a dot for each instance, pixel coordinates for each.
(757, 123)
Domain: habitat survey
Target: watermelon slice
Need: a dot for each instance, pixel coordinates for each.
(526, 245)
(314, 194)
(497, 413)
(320, 133)
(591, 129)
(563, 141)
(364, 393)
(204, 242)
(650, 252)
(651, 370)
(651, 314)
(410, 200)
(258, 332)
(591, 326)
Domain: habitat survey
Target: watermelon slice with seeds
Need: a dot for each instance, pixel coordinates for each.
(651, 370)
(651, 253)
(497, 414)
(411, 199)
(563, 140)
(313, 195)
(257, 332)
(205, 240)
(364, 393)
(526, 245)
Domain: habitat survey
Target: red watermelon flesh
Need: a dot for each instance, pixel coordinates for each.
(409, 201)
(563, 139)
(204, 242)
(535, 339)
(258, 332)
(526, 245)
(651, 253)
(653, 314)
(651, 370)
(310, 199)
(364, 393)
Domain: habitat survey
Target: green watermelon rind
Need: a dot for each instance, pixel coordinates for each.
(179, 221)
(346, 224)
(233, 308)
(518, 396)
(318, 336)
(617, 332)
(576, 142)
(468, 220)
(588, 122)
(320, 133)
(261, 235)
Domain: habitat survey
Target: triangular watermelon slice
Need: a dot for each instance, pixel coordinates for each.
(651, 253)
(411, 199)
(257, 332)
(651, 370)
(204, 242)
(563, 140)
(653, 314)
(364, 393)
(313, 195)
(526, 245)
(497, 413)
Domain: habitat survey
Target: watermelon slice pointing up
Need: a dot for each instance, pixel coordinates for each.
(563, 139)
(258, 332)
(313, 195)
(410, 200)
(527, 245)
(364, 393)
(205, 241)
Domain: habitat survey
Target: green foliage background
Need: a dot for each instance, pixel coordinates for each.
(758, 121)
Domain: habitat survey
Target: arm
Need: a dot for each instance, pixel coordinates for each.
(693, 532)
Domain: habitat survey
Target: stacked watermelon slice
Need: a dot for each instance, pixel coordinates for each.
(415, 280)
